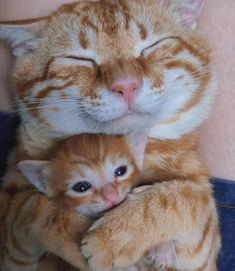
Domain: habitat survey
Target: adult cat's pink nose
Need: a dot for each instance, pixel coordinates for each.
(127, 87)
(110, 193)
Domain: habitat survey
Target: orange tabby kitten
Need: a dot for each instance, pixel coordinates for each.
(91, 174)
(115, 67)
(88, 173)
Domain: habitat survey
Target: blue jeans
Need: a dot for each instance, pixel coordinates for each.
(224, 192)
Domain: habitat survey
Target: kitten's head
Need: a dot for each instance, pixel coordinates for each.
(89, 173)
(112, 66)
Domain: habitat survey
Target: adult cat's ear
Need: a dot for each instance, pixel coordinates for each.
(35, 172)
(189, 11)
(137, 143)
(22, 36)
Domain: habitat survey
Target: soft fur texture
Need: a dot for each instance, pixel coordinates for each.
(64, 75)
(94, 159)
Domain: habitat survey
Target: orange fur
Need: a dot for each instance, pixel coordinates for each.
(71, 64)
(93, 152)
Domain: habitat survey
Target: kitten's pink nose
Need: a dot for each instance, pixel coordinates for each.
(110, 193)
(127, 87)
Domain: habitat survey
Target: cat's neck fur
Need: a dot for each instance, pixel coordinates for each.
(31, 144)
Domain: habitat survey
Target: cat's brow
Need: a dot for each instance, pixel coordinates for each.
(79, 58)
(161, 40)
(51, 60)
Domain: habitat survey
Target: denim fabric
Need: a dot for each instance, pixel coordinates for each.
(8, 126)
(224, 192)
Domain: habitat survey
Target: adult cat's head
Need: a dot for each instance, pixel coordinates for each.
(112, 66)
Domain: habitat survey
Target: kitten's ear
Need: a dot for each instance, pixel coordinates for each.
(35, 172)
(137, 143)
(22, 36)
(189, 11)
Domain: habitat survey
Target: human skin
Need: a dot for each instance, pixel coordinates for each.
(217, 21)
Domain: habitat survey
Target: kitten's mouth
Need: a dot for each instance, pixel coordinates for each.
(111, 206)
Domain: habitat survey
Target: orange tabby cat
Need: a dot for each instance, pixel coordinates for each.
(114, 66)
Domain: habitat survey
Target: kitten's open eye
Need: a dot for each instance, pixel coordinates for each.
(82, 187)
(120, 171)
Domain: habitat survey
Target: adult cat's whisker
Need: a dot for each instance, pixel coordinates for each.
(51, 119)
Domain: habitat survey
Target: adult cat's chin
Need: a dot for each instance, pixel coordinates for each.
(68, 125)
(128, 123)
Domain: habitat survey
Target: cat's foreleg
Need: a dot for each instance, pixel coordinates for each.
(38, 226)
(179, 211)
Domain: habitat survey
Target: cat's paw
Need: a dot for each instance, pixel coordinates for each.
(113, 241)
(162, 257)
(95, 247)
(101, 247)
